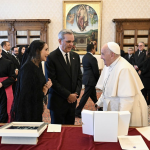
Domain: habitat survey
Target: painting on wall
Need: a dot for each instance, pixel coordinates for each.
(84, 19)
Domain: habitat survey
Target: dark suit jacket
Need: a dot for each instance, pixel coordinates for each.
(130, 60)
(6, 55)
(16, 62)
(145, 73)
(91, 71)
(64, 81)
(6, 71)
(122, 53)
(139, 59)
(9, 57)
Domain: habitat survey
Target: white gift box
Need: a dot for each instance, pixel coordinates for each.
(105, 126)
(123, 122)
(87, 120)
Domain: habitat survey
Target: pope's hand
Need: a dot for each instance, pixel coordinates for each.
(97, 107)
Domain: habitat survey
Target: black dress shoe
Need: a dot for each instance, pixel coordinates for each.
(78, 115)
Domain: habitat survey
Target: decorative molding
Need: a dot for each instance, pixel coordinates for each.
(131, 20)
(25, 20)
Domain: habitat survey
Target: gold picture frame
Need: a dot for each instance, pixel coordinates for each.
(84, 18)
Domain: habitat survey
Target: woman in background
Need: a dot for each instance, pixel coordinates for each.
(144, 72)
(31, 87)
(20, 54)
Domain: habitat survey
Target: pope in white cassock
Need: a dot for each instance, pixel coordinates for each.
(121, 86)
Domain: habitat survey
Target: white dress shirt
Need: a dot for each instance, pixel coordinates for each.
(64, 55)
(5, 50)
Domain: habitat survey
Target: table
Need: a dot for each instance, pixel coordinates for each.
(70, 138)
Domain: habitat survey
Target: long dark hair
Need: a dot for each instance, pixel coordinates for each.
(33, 52)
(20, 49)
(20, 55)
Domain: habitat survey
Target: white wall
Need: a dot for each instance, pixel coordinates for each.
(52, 9)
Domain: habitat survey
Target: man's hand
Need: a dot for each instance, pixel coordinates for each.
(136, 67)
(16, 72)
(139, 72)
(1, 84)
(48, 83)
(72, 98)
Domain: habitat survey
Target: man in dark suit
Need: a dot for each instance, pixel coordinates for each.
(5, 53)
(63, 68)
(6, 80)
(14, 57)
(5, 50)
(15, 50)
(130, 56)
(139, 55)
(90, 78)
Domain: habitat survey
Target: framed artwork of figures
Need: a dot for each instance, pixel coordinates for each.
(84, 19)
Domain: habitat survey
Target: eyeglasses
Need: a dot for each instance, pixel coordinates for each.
(140, 45)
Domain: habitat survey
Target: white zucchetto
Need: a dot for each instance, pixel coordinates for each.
(114, 47)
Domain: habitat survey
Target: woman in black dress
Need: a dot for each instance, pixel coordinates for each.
(20, 54)
(144, 72)
(31, 86)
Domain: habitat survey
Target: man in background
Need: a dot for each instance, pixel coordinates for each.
(130, 56)
(14, 57)
(14, 50)
(90, 78)
(121, 86)
(63, 68)
(6, 93)
(5, 53)
(139, 55)
(5, 50)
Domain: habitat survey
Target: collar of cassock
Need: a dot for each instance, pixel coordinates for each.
(113, 64)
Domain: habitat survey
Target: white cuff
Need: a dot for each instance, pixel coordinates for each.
(100, 101)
